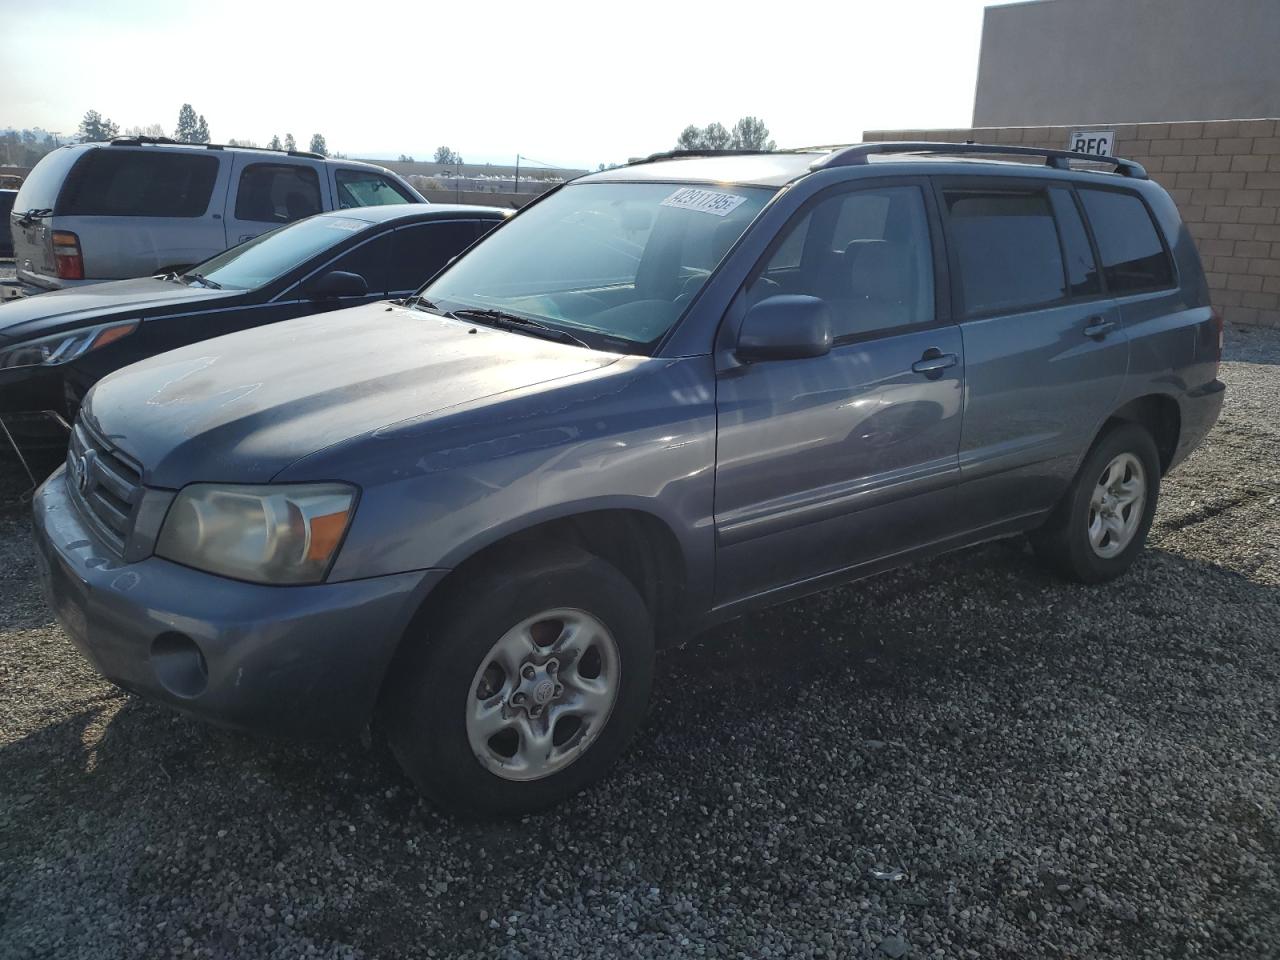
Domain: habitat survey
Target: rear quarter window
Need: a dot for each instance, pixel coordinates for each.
(1133, 257)
(114, 182)
(40, 190)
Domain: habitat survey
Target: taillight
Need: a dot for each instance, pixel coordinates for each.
(1218, 327)
(66, 255)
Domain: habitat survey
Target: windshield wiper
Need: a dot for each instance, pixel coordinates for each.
(513, 321)
(419, 302)
(201, 278)
(31, 216)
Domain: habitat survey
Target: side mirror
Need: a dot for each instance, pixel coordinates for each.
(785, 327)
(337, 283)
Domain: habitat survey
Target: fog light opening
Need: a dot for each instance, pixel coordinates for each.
(179, 665)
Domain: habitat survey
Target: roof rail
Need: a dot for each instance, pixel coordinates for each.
(686, 154)
(1058, 159)
(141, 141)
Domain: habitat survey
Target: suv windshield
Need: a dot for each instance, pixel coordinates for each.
(613, 263)
(266, 257)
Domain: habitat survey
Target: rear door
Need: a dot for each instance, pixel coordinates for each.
(268, 192)
(827, 463)
(1045, 353)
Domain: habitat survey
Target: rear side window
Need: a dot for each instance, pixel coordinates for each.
(1008, 250)
(114, 182)
(419, 252)
(363, 188)
(277, 193)
(1133, 258)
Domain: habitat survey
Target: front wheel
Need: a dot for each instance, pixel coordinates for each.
(1101, 524)
(526, 686)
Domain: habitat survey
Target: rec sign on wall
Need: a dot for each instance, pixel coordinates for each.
(1099, 143)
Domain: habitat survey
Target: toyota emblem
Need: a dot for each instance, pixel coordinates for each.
(80, 467)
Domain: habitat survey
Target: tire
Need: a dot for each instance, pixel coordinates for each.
(525, 614)
(1068, 543)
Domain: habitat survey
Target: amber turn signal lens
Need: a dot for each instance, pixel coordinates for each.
(326, 531)
(112, 334)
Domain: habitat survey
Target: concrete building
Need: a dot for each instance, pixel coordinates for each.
(1188, 88)
(1126, 61)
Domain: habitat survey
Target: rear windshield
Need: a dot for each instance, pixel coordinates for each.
(115, 182)
(40, 190)
(273, 254)
(615, 264)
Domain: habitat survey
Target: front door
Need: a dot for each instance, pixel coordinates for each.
(828, 463)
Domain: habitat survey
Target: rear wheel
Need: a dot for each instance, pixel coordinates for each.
(527, 686)
(1101, 525)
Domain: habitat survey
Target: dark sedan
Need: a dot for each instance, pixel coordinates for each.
(55, 346)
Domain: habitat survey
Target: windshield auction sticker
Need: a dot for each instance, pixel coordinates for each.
(704, 201)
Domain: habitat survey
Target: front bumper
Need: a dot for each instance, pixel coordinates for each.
(305, 661)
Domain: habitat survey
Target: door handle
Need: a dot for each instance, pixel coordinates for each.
(1099, 327)
(934, 362)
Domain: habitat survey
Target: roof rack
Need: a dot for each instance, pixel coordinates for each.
(686, 154)
(141, 141)
(1058, 159)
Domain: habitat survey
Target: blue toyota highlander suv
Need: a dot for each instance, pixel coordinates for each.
(656, 398)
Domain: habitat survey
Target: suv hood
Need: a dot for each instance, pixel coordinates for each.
(72, 307)
(241, 408)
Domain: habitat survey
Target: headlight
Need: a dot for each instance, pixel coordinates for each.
(267, 534)
(63, 347)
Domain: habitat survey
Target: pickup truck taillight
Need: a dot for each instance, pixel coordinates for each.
(66, 256)
(1218, 326)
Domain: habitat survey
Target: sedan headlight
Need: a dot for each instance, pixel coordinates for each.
(63, 347)
(266, 534)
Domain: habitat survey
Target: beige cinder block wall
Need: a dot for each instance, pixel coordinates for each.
(1223, 174)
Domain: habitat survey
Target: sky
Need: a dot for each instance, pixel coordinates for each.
(568, 84)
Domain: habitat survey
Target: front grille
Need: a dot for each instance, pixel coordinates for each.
(105, 485)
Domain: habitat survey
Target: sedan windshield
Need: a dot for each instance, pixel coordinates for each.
(615, 264)
(264, 258)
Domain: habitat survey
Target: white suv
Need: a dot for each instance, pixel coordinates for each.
(138, 206)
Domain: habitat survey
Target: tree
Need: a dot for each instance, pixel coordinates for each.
(289, 142)
(202, 131)
(188, 125)
(318, 145)
(95, 127)
(716, 136)
(750, 133)
(690, 138)
(150, 130)
(405, 158)
(233, 142)
(446, 156)
(275, 142)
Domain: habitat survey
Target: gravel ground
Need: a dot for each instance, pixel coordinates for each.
(962, 759)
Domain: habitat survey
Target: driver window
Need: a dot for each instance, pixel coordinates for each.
(866, 253)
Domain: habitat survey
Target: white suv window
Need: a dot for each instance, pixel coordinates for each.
(364, 188)
(277, 193)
